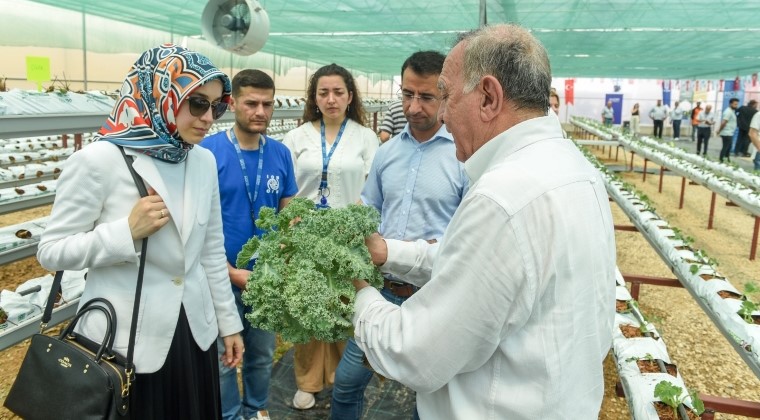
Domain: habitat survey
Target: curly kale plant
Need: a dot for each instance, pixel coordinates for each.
(301, 285)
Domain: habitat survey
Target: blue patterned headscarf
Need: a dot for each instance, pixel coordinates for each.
(144, 117)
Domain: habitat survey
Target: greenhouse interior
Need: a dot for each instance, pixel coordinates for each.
(658, 100)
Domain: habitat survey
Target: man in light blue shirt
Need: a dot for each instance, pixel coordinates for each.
(417, 183)
(608, 114)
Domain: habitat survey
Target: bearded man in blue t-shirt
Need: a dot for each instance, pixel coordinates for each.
(254, 171)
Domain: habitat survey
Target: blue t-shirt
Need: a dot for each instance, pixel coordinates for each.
(277, 181)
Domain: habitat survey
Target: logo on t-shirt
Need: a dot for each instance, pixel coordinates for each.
(273, 184)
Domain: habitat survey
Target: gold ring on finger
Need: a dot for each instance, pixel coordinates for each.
(163, 213)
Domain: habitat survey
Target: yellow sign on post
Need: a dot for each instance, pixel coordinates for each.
(38, 70)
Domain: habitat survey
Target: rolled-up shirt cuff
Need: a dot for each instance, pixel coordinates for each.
(365, 298)
(403, 257)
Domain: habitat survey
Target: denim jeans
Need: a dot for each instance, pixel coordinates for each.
(257, 371)
(352, 377)
(756, 161)
(676, 129)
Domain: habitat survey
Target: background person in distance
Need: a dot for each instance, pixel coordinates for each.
(254, 171)
(517, 316)
(393, 121)
(608, 114)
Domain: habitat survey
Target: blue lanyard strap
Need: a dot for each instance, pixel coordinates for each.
(324, 192)
(251, 196)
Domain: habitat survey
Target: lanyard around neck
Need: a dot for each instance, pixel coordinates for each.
(324, 191)
(251, 196)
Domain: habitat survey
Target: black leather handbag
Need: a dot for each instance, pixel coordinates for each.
(70, 376)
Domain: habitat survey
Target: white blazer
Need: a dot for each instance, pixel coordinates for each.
(186, 265)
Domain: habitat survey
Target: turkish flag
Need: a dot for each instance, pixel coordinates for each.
(569, 89)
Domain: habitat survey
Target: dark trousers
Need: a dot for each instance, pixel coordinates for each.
(658, 129)
(676, 129)
(703, 137)
(742, 143)
(725, 151)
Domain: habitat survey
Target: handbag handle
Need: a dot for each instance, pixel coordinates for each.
(143, 252)
(136, 309)
(106, 347)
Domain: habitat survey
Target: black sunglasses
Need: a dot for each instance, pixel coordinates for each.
(199, 106)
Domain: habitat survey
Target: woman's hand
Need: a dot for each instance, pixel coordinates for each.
(148, 215)
(233, 350)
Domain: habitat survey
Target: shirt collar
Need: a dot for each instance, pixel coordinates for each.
(442, 132)
(509, 142)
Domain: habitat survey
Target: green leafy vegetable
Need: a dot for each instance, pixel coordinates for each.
(672, 396)
(751, 287)
(301, 285)
(746, 310)
(697, 404)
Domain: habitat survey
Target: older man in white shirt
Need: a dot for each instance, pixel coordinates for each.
(517, 315)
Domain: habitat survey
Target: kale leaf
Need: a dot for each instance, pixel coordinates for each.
(301, 284)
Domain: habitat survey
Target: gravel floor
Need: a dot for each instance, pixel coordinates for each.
(705, 359)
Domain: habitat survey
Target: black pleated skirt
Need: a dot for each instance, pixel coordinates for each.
(187, 385)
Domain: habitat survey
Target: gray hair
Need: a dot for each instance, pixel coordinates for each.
(514, 57)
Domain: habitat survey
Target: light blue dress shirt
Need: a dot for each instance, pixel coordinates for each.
(417, 187)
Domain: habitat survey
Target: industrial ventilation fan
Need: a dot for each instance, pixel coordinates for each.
(239, 26)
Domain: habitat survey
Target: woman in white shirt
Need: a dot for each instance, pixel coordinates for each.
(332, 154)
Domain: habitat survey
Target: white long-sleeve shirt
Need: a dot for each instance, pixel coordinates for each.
(517, 316)
(348, 166)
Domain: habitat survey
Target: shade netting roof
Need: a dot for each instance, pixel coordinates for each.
(663, 39)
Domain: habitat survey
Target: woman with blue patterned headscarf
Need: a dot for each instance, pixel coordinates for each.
(169, 100)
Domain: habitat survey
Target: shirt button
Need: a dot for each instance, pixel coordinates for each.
(408, 191)
(177, 281)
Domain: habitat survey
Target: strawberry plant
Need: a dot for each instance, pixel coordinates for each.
(648, 357)
(672, 396)
(746, 310)
(751, 288)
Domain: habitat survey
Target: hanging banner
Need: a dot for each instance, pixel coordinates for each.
(666, 92)
(569, 89)
(733, 89)
(617, 106)
(732, 85)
